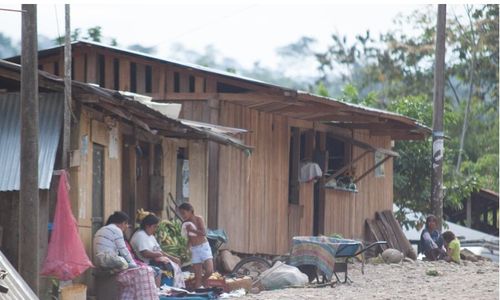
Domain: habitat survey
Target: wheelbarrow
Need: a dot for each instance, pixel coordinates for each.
(328, 255)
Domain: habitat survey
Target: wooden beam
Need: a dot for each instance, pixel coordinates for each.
(213, 106)
(408, 137)
(109, 73)
(92, 66)
(371, 169)
(169, 80)
(255, 87)
(230, 97)
(327, 115)
(255, 97)
(352, 162)
(171, 96)
(300, 123)
(300, 112)
(262, 105)
(155, 79)
(124, 74)
(184, 82)
(373, 126)
(328, 128)
(199, 84)
(344, 116)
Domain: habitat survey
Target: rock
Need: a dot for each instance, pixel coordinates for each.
(392, 256)
(466, 254)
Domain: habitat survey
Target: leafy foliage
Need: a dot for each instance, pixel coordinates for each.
(395, 72)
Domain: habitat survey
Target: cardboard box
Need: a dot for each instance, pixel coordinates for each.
(239, 283)
(75, 291)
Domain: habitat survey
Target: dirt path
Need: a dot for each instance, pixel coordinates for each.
(474, 281)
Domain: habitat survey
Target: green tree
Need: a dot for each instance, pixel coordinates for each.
(7, 47)
(395, 72)
(93, 34)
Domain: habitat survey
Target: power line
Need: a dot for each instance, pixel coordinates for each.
(12, 10)
(57, 23)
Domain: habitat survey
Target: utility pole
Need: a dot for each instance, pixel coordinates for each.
(437, 119)
(67, 90)
(29, 241)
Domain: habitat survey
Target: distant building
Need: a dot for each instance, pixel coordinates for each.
(479, 212)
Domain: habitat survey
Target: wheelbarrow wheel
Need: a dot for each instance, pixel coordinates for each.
(251, 266)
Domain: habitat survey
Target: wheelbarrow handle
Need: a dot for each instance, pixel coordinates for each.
(370, 246)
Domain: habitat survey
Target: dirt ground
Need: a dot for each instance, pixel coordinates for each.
(407, 280)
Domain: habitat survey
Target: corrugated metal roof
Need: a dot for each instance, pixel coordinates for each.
(50, 122)
(18, 288)
(125, 107)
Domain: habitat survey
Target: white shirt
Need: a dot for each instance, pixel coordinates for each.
(142, 241)
(110, 239)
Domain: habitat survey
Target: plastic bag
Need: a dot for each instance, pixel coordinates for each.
(281, 276)
(66, 257)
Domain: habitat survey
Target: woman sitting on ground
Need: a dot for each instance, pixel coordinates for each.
(110, 251)
(148, 250)
(431, 241)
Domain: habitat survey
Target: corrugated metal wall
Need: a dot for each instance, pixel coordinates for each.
(18, 289)
(50, 122)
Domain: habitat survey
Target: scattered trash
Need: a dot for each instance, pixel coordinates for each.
(281, 276)
(234, 294)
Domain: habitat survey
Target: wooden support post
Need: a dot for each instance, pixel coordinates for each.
(29, 230)
(213, 159)
(437, 119)
(67, 90)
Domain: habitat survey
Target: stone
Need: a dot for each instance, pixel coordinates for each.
(392, 256)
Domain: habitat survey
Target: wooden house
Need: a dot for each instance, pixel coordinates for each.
(479, 212)
(123, 155)
(258, 198)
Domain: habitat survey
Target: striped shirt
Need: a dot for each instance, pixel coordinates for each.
(110, 239)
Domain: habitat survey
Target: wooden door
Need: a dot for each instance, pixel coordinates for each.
(97, 187)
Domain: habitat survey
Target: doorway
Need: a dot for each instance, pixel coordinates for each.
(97, 187)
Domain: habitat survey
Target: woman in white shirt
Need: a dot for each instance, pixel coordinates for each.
(148, 250)
(110, 251)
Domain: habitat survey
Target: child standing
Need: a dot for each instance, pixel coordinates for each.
(201, 254)
(452, 245)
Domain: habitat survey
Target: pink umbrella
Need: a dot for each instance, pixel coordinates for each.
(66, 257)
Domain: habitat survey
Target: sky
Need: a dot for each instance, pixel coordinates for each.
(245, 31)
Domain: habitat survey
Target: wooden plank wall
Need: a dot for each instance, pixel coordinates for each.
(81, 176)
(253, 190)
(306, 194)
(345, 212)
(198, 159)
(300, 216)
(169, 147)
(198, 177)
